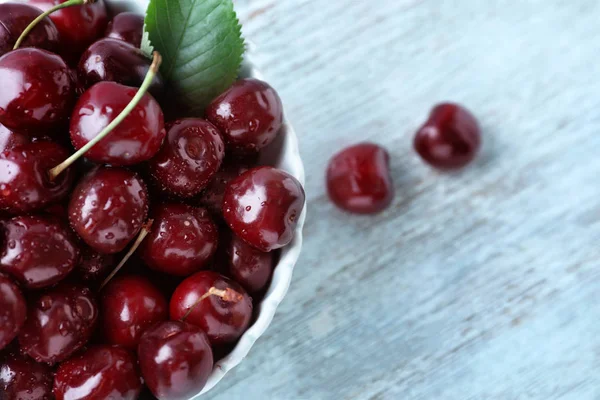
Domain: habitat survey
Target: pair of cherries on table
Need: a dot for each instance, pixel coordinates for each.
(210, 222)
(358, 178)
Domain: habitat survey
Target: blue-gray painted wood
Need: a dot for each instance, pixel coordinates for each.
(481, 285)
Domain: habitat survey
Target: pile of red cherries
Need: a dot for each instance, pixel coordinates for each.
(92, 177)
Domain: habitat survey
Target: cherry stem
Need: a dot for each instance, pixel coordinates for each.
(157, 60)
(33, 23)
(227, 294)
(143, 233)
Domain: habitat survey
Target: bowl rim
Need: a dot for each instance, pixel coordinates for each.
(284, 269)
(283, 272)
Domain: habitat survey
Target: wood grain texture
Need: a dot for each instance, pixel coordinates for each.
(480, 285)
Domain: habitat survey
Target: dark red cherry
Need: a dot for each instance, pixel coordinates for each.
(24, 182)
(59, 322)
(130, 305)
(218, 305)
(248, 266)
(450, 138)
(183, 240)
(12, 311)
(262, 206)
(138, 138)
(37, 90)
(190, 157)
(39, 251)
(128, 27)
(117, 61)
(108, 209)
(212, 196)
(15, 17)
(102, 372)
(94, 266)
(9, 139)
(249, 114)
(79, 26)
(176, 360)
(358, 179)
(21, 378)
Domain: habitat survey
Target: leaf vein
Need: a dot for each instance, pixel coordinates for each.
(196, 56)
(187, 19)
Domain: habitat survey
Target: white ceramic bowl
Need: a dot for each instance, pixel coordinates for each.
(284, 154)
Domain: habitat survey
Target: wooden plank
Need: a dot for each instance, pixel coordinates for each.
(476, 285)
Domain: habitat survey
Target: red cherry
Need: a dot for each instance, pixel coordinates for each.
(117, 61)
(358, 179)
(249, 114)
(24, 379)
(183, 240)
(138, 138)
(218, 305)
(130, 305)
(59, 322)
(450, 138)
(212, 196)
(9, 139)
(15, 17)
(24, 182)
(103, 372)
(262, 206)
(248, 266)
(108, 209)
(191, 156)
(12, 311)
(94, 266)
(37, 90)
(128, 27)
(38, 251)
(176, 360)
(79, 26)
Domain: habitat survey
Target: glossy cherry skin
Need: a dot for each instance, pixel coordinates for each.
(102, 372)
(24, 182)
(15, 17)
(79, 26)
(21, 378)
(190, 157)
(358, 179)
(39, 251)
(37, 90)
(248, 266)
(9, 139)
(176, 360)
(128, 27)
(130, 305)
(117, 61)
(13, 311)
(94, 266)
(212, 196)
(138, 138)
(249, 114)
(183, 240)
(59, 322)
(108, 209)
(262, 206)
(223, 321)
(450, 138)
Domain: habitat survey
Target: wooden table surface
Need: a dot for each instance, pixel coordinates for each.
(482, 284)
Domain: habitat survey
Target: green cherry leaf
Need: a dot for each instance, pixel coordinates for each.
(146, 46)
(201, 46)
